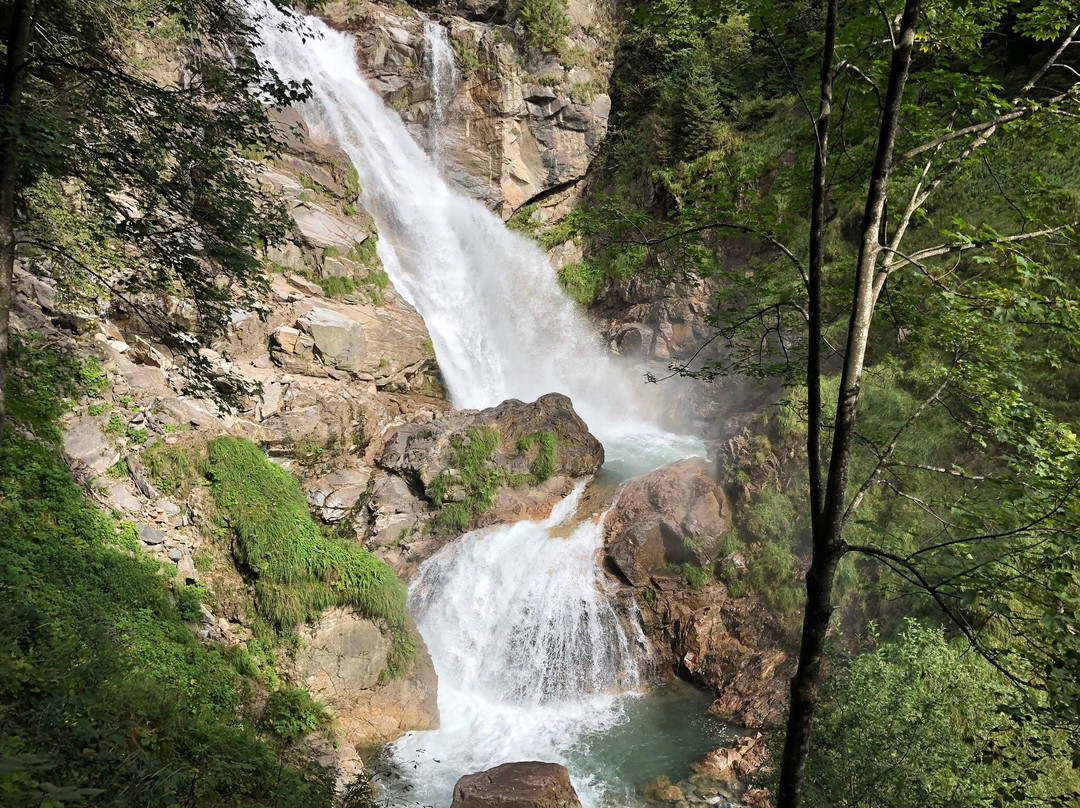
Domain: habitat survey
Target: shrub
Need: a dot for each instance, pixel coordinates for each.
(480, 480)
(292, 712)
(544, 23)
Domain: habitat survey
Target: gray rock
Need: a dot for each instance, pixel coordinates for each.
(168, 507)
(340, 661)
(175, 554)
(86, 444)
(339, 341)
(123, 497)
(151, 535)
(185, 570)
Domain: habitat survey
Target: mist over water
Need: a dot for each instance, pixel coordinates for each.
(532, 659)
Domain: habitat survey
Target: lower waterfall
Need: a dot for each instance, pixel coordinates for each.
(532, 659)
(530, 653)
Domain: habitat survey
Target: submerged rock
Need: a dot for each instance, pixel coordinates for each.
(530, 784)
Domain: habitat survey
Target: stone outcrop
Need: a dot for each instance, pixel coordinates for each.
(418, 454)
(343, 661)
(530, 784)
(733, 646)
(676, 515)
(525, 123)
(736, 762)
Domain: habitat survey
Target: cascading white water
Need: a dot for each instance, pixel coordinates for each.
(530, 653)
(439, 57)
(501, 325)
(531, 658)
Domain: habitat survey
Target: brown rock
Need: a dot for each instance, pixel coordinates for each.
(676, 514)
(756, 798)
(529, 784)
(746, 756)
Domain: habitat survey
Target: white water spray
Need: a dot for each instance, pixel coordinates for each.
(529, 651)
(532, 660)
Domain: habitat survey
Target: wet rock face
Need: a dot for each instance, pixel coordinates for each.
(523, 123)
(517, 785)
(675, 515)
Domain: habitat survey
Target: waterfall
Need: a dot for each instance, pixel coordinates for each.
(439, 58)
(531, 657)
(501, 325)
(530, 653)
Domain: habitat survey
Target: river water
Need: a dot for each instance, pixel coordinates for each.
(533, 661)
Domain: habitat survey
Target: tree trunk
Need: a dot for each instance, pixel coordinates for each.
(827, 529)
(816, 266)
(14, 78)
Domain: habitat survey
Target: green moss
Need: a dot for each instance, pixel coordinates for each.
(694, 575)
(480, 479)
(583, 281)
(544, 463)
(351, 181)
(334, 286)
(176, 467)
(136, 435)
(296, 570)
(365, 252)
(307, 452)
(522, 220)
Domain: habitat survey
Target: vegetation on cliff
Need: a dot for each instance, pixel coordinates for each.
(105, 691)
(123, 123)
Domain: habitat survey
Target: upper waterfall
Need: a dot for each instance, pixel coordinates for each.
(439, 56)
(501, 325)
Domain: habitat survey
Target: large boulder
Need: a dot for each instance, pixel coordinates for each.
(343, 661)
(529, 784)
(422, 452)
(736, 762)
(677, 514)
(86, 446)
(339, 341)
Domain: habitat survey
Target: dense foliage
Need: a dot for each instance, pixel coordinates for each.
(883, 198)
(121, 137)
(104, 689)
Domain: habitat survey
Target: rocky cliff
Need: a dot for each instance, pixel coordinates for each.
(525, 121)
